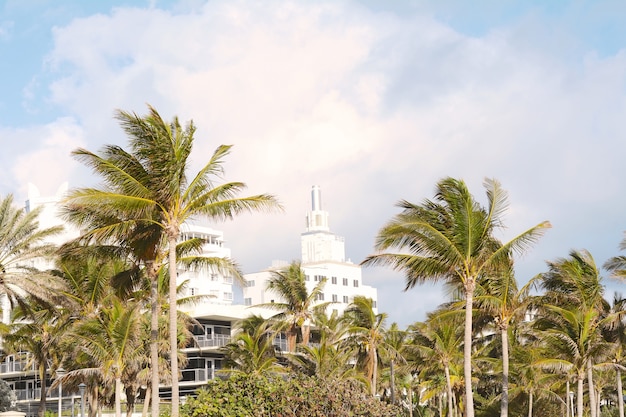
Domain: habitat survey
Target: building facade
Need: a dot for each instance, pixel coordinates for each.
(323, 257)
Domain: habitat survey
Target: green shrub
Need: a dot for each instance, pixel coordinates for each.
(250, 396)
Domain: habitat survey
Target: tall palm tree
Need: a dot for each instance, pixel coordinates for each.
(296, 304)
(575, 283)
(452, 240)
(615, 333)
(151, 184)
(393, 352)
(22, 242)
(498, 298)
(366, 331)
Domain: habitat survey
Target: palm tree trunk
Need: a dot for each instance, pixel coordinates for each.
(131, 394)
(530, 404)
(392, 382)
(154, 341)
(42, 395)
(410, 400)
(146, 402)
(118, 397)
(591, 389)
(306, 334)
(579, 396)
(292, 336)
(567, 399)
(93, 401)
(172, 237)
(504, 403)
(446, 370)
(467, 348)
(620, 394)
(455, 405)
(441, 406)
(374, 358)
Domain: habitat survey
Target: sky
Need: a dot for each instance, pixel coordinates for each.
(374, 101)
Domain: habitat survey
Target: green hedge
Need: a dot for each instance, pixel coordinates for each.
(256, 396)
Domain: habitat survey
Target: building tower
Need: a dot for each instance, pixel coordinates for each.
(323, 256)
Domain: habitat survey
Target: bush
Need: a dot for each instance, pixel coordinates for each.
(250, 396)
(8, 399)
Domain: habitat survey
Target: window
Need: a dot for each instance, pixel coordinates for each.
(345, 299)
(247, 301)
(335, 298)
(374, 303)
(334, 280)
(307, 278)
(355, 282)
(320, 296)
(345, 282)
(213, 277)
(249, 283)
(228, 296)
(228, 280)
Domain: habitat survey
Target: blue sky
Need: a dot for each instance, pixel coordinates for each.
(373, 101)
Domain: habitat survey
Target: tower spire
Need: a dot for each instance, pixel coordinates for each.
(318, 243)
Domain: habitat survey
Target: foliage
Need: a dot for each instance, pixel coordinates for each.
(241, 396)
(8, 399)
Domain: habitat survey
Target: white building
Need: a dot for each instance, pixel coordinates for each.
(219, 287)
(323, 256)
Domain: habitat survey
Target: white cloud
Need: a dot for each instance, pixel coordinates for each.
(374, 107)
(47, 164)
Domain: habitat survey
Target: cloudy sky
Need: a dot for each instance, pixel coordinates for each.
(374, 101)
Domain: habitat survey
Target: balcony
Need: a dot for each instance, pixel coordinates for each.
(197, 375)
(17, 366)
(213, 341)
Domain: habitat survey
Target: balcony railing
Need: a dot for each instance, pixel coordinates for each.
(216, 340)
(28, 394)
(197, 375)
(17, 366)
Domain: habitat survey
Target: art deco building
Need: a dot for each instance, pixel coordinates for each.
(323, 256)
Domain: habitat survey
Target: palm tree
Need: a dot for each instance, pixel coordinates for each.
(22, 243)
(574, 282)
(111, 339)
(615, 333)
(394, 347)
(572, 336)
(436, 342)
(151, 185)
(328, 358)
(617, 264)
(37, 331)
(452, 239)
(498, 297)
(528, 375)
(366, 331)
(252, 352)
(296, 304)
